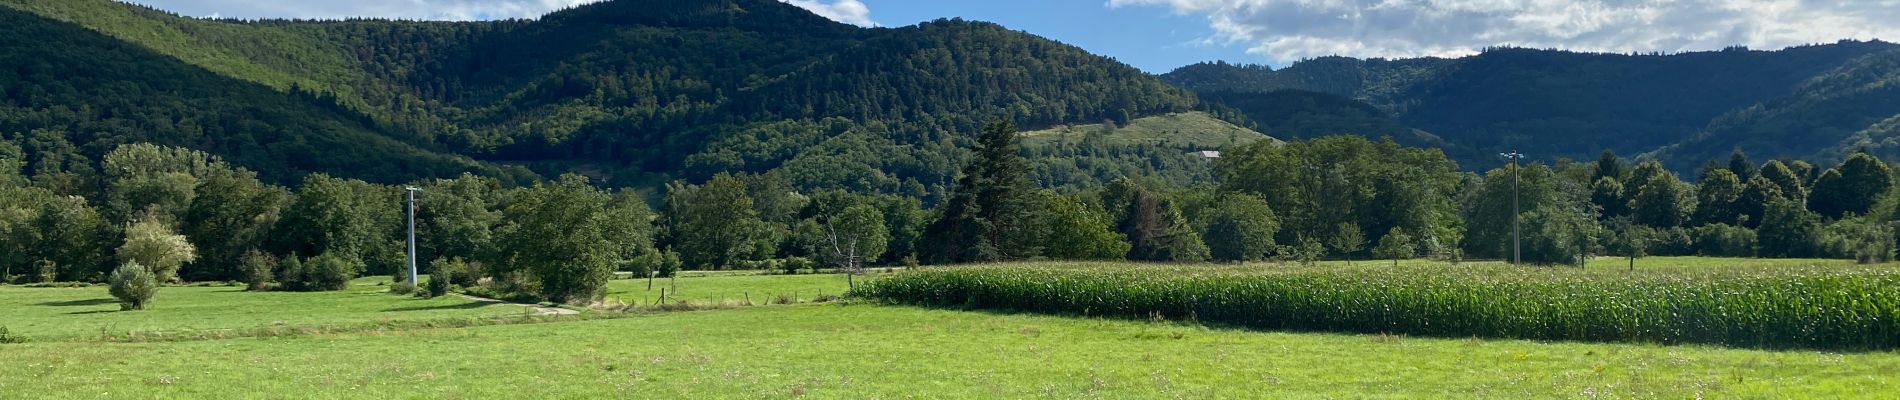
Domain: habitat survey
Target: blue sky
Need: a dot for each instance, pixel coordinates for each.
(1155, 39)
(1159, 35)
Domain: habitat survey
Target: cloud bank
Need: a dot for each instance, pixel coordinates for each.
(1289, 30)
(847, 11)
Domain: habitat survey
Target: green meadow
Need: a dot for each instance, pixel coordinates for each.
(850, 348)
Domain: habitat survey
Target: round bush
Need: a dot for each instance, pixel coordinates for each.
(134, 286)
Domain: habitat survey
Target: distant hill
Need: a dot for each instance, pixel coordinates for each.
(1566, 104)
(1183, 131)
(637, 91)
(1826, 118)
(72, 91)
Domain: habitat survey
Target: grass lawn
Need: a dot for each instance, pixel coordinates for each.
(77, 313)
(866, 351)
(719, 287)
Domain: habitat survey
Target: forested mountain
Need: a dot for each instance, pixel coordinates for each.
(1565, 104)
(636, 91)
(1827, 118)
(71, 92)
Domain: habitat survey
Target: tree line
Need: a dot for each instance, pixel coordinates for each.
(183, 215)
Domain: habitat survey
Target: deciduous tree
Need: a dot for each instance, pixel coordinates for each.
(1241, 227)
(150, 243)
(559, 233)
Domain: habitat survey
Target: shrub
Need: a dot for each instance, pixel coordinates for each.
(1860, 239)
(290, 272)
(325, 272)
(258, 268)
(134, 285)
(330, 272)
(1672, 242)
(45, 271)
(1307, 252)
(446, 272)
(59, 285)
(402, 289)
(669, 264)
(510, 286)
(438, 285)
(792, 265)
(1722, 240)
(1825, 308)
(8, 337)
(641, 265)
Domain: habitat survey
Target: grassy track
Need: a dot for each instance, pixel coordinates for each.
(720, 287)
(861, 351)
(78, 313)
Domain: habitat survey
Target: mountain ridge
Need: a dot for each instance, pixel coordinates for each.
(1559, 104)
(646, 92)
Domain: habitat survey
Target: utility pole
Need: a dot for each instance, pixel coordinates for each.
(412, 232)
(1517, 250)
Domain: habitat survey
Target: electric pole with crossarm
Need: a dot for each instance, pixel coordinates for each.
(1517, 250)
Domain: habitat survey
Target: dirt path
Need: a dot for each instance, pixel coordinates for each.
(537, 309)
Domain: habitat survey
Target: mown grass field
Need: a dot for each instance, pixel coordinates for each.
(860, 351)
(855, 350)
(41, 314)
(716, 287)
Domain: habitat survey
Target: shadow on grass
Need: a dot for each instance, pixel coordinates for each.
(462, 306)
(79, 303)
(92, 312)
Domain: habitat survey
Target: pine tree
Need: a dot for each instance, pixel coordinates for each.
(989, 216)
(1739, 165)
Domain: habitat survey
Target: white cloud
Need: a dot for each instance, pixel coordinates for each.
(1288, 30)
(847, 11)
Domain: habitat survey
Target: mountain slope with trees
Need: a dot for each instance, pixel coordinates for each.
(72, 94)
(1555, 104)
(641, 92)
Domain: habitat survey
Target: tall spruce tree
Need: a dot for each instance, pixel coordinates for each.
(1607, 166)
(989, 215)
(1738, 163)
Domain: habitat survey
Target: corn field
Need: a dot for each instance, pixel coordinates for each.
(1817, 308)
